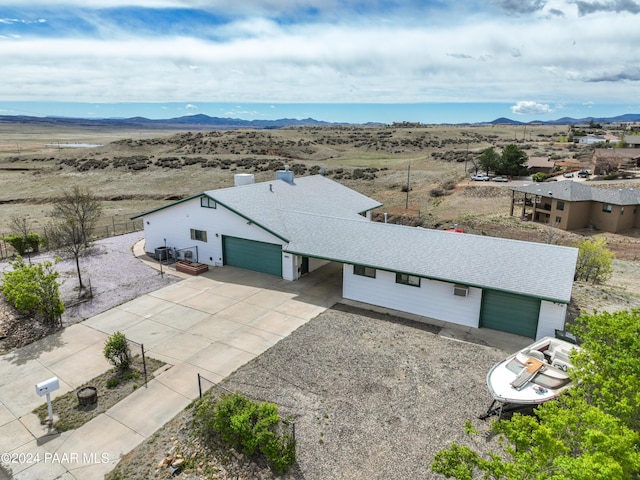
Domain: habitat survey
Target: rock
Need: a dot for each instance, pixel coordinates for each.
(177, 463)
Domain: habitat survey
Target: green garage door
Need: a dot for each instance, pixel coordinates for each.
(252, 255)
(509, 312)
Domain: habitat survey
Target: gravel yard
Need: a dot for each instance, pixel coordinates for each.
(372, 396)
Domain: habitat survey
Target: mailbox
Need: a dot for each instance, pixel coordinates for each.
(47, 386)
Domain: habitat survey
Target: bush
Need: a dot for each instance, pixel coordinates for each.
(22, 244)
(116, 351)
(246, 425)
(34, 289)
(540, 177)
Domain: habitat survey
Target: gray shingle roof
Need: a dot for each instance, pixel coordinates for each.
(534, 269)
(266, 203)
(579, 192)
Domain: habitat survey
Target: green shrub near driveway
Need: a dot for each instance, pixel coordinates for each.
(246, 425)
(116, 351)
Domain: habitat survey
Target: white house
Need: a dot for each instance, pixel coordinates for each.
(291, 227)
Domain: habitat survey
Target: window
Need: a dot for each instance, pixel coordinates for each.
(606, 207)
(558, 219)
(405, 279)
(621, 210)
(207, 202)
(560, 205)
(200, 235)
(364, 271)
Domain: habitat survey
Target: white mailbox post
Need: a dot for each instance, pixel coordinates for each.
(45, 388)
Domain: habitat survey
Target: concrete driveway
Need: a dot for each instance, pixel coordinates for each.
(209, 325)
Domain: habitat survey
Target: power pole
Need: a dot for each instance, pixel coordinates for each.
(406, 207)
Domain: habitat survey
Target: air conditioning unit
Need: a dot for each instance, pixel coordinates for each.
(460, 290)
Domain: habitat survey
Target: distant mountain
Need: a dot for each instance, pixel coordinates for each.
(195, 122)
(626, 118)
(205, 122)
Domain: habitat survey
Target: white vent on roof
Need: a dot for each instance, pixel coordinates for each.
(460, 290)
(243, 179)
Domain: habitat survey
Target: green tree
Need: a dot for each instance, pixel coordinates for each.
(594, 261)
(34, 289)
(591, 432)
(512, 161)
(489, 160)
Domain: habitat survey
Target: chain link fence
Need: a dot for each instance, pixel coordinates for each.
(103, 230)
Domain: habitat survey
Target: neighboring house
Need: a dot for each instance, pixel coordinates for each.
(632, 141)
(591, 139)
(611, 160)
(289, 228)
(540, 164)
(573, 205)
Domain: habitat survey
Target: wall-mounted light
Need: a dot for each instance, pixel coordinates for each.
(148, 222)
(217, 235)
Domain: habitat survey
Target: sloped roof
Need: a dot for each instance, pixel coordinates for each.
(266, 203)
(474, 260)
(570, 191)
(540, 162)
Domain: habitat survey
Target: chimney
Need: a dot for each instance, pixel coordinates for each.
(286, 175)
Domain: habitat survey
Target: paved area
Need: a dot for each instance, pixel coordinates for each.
(209, 325)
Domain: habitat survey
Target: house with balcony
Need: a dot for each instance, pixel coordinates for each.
(570, 205)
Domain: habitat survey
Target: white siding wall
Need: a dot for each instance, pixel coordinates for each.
(291, 264)
(175, 225)
(551, 317)
(432, 299)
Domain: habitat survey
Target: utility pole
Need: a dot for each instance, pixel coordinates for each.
(406, 206)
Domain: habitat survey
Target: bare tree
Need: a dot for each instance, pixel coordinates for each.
(81, 206)
(74, 218)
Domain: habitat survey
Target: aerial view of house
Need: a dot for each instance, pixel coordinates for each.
(290, 227)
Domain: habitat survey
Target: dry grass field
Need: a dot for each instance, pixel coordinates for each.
(135, 170)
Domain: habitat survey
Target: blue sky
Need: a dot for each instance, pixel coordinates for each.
(333, 60)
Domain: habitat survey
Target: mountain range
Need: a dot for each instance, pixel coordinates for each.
(205, 122)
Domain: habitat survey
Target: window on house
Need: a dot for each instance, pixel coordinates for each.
(621, 210)
(405, 279)
(364, 271)
(560, 205)
(606, 207)
(207, 202)
(199, 235)
(558, 219)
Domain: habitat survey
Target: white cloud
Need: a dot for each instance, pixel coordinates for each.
(527, 107)
(189, 106)
(479, 58)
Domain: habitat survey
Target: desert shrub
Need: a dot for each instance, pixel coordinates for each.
(24, 243)
(116, 351)
(113, 382)
(247, 425)
(539, 177)
(34, 289)
(438, 192)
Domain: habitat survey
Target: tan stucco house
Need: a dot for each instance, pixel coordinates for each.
(573, 205)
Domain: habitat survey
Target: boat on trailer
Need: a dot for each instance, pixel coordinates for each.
(529, 377)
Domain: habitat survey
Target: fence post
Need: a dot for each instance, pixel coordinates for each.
(113, 222)
(144, 364)
(199, 387)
